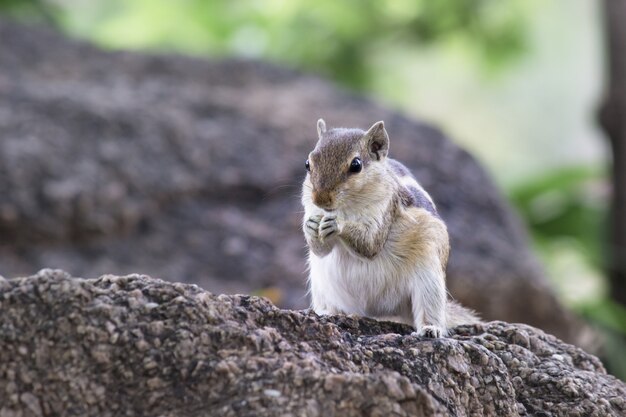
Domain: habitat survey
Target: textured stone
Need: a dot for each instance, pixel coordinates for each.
(115, 162)
(197, 354)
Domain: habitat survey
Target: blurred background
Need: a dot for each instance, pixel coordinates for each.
(518, 83)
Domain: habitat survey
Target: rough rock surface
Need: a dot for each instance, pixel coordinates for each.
(114, 162)
(135, 345)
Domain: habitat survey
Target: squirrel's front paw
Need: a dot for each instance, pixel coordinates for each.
(312, 225)
(431, 331)
(328, 227)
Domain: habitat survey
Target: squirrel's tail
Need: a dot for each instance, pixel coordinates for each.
(457, 315)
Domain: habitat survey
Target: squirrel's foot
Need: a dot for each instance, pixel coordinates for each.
(312, 226)
(431, 331)
(328, 227)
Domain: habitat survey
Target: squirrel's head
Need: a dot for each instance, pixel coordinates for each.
(347, 166)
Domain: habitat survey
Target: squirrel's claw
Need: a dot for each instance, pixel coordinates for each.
(328, 227)
(433, 332)
(312, 225)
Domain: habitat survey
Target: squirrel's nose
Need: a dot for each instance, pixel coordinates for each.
(323, 199)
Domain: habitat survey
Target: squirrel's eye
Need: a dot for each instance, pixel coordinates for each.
(307, 165)
(356, 165)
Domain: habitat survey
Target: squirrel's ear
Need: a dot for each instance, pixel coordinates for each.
(377, 140)
(321, 127)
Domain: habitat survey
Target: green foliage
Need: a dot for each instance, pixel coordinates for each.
(9, 5)
(332, 38)
(570, 204)
(28, 9)
(610, 320)
(567, 203)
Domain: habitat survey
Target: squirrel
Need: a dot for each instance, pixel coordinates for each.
(377, 245)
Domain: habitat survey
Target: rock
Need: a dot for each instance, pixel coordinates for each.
(134, 345)
(117, 162)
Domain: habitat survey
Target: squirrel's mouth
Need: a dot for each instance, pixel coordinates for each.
(324, 199)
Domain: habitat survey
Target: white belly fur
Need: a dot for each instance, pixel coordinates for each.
(343, 282)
